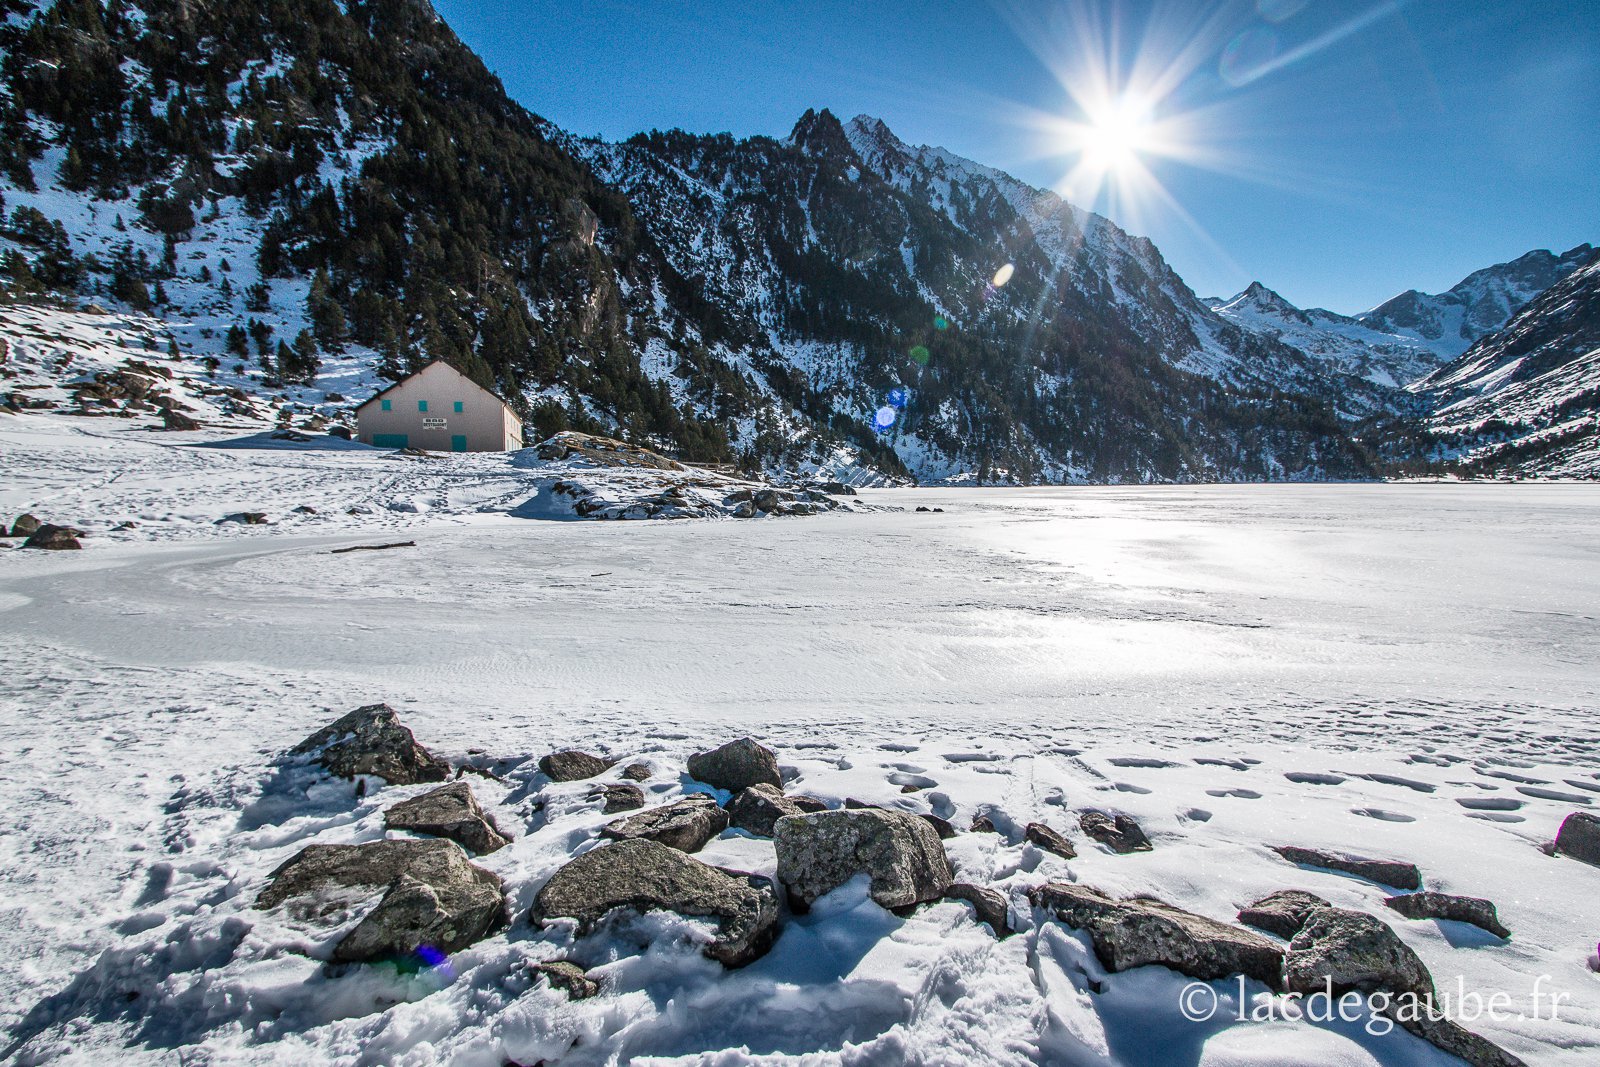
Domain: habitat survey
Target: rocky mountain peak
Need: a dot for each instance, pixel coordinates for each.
(819, 133)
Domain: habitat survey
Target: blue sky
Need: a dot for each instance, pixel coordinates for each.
(1338, 151)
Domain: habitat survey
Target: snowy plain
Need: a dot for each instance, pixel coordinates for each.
(1404, 671)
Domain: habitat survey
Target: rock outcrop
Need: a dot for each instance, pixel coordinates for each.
(1282, 913)
(756, 809)
(1120, 833)
(620, 797)
(1579, 837)
(573, 766)
(641, 875)
(1385, 872)
(1474, 910)
(54, 538)
(1037, 833)
(989, 906)
(685, 825)
(452, 812)
(1354, 952)
(433, 898)
(371, 740)
(567, 977)
(1136, 932)
(737, 765)
(900, 853)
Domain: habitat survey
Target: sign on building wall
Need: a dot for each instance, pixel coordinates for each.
(432, 422)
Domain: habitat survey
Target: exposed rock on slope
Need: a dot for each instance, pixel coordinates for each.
(1526, 400)
(646, 876)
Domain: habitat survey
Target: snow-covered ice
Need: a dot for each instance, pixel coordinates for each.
(1404, 671)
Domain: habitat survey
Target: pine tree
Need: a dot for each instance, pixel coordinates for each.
(327, 317)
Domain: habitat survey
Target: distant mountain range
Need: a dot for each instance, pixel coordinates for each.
(311, 191)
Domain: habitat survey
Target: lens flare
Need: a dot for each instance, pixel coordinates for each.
(1003, 275)
(920, 355)
(899, 396)
(883, 420)
(940, 323)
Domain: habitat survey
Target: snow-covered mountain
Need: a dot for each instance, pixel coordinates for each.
(1526, 399)
(1476, 306)
(315, 193)
(1020, 337)
(1373, 366)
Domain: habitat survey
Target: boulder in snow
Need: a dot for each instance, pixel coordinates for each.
(1135, 932)
(54, 538)
(1120, 833)
(1579, 837)
(1353, 951)
(567, 977)
(25, 525)
(1385, 872)
(900, 853)
(243, 518)
(1282, 913)
(685, 825)
(452, 812)
(619, 797)
(636, 772)
(736, 765)
(1474, 910)
(370, 740)
(988, 904)
(1037, 833)
(641, 875)
(573, 766)
(757, 808)
(433, 898)
(172, 419)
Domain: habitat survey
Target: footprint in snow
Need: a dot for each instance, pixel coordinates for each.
(916, 781)
(1404, 783)
(1552, 794)
(1144, 762)
(1382, 815)
(1495, 816)
(1489, 803)
(1231, 764)
(1195, 815)
(1314, 778)
(1242, 794)
(1129, 787)
(1510, 777)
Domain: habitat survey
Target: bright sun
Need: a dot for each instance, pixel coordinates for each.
(1114, 139)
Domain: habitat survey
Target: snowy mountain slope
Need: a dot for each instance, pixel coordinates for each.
(1526, 399)
(1376, 366)
(834, 303)
(1476, 306)
(1016, 337)
(311, 194)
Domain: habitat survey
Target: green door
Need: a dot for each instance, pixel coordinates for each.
(391, 440)
(458, 443)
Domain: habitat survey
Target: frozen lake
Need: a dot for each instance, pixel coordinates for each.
(1173, 651)
(1252, 611)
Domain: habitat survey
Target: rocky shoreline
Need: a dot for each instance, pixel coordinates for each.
(433, 900)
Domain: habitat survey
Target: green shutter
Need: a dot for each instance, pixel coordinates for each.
(422, 405)
(385, 404)
(458, 407)
(458, 443)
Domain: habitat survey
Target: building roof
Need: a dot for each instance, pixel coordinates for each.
(380, 394)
